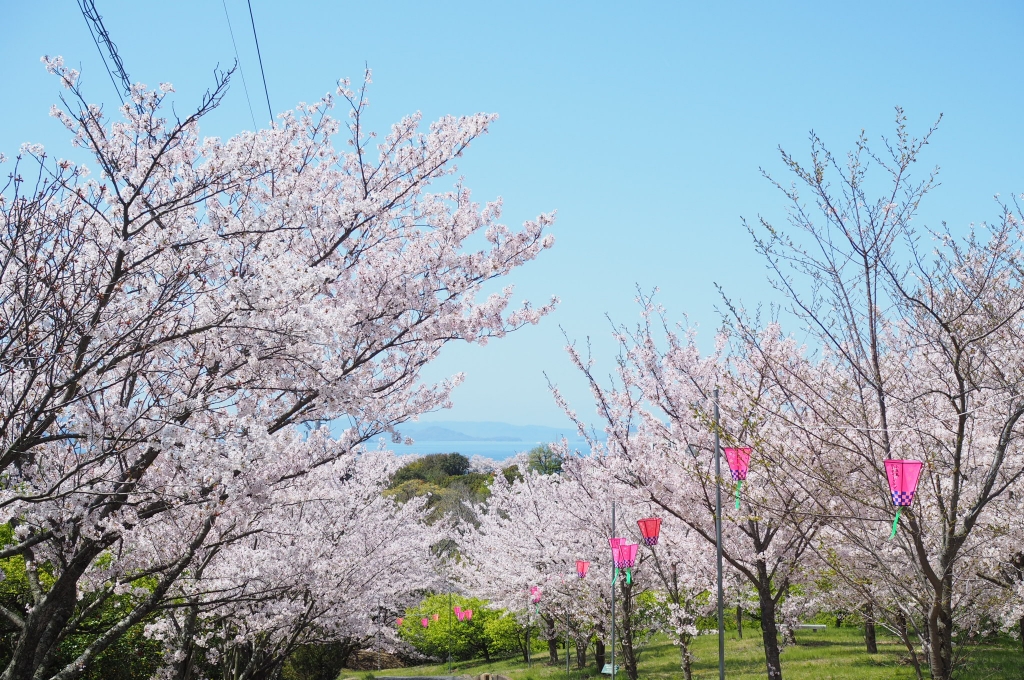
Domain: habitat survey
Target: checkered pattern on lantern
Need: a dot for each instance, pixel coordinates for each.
(739, 475)
(650, 540)
(903, 498)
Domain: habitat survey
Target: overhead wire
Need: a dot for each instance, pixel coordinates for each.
(238, 59)
(260, 57)
(94, 22)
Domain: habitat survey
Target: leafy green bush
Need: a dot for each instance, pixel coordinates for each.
(489, 633)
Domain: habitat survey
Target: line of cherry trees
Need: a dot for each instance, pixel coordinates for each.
(913, 348)
(179, 316)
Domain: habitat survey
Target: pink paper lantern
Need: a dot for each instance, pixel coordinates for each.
(739, 461)
(903, 477)
(468, 614)
(435, 616)
(457, 610)
(627, 555)
(425, 622)
(582, 567)
(616, 542)
(535, 594)
(401, 621)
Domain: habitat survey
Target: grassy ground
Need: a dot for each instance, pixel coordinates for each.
(832, 654)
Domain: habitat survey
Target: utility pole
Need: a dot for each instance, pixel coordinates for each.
(613, 594)
(718, 545)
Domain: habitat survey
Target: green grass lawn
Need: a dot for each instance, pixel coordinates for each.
(835, 653)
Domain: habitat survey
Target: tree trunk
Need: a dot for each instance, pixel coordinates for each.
(769, 631)
(1021, 624)
(599, 654)
(901, 630)
(549, 625)
(869, 629)
(628, 653)
(940, 629)
(581, 652)
(43, 630)
(685, 658)
(739, 622)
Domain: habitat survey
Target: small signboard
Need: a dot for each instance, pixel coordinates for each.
(607, 670)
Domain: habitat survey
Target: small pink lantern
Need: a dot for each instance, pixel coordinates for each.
(582, 567)
(400, 621)
(903, 477)
(468, 614)
(627, 554)
(457, 610)
(435, 616)
(459, 615)
(535, 594)
(424, 622)
(739, 464)
(650, 529)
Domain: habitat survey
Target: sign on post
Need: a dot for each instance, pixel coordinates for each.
(607, 670)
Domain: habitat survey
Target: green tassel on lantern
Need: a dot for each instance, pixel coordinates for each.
(629, 577)
(615, 578)
(739, 485)
(896, 521)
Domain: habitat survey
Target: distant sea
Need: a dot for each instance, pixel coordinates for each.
(493, 450)
(494, 440)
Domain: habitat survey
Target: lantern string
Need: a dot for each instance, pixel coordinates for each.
(895, 521)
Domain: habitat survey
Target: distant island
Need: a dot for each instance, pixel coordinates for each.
(480, 431)
(443, 434)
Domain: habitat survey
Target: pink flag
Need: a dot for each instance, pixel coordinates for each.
(400, 621)
(469, 614)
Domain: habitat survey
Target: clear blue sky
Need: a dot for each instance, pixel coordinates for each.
(644, 124)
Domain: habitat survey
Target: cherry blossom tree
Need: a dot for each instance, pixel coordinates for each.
(174, 311)
(658, 428)
(918, 336)
(531, 533)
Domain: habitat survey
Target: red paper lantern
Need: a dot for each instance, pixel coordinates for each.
(400, 621)
(650, 529)
(424, 622)
(582, 567)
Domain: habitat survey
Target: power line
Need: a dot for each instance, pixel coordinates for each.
(260, 56)
(241, 71)
(98, 31)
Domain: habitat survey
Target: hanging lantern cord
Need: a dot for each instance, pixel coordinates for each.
(895, 522)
